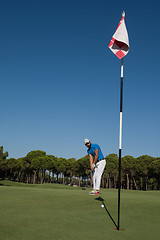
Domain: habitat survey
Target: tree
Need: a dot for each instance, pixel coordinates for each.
(145, 164)
(111, 169)
(11, 168)
(52, 167)
(81, 166)
(64, 167)
(3, 156)
(58, 167)
(32, 163)
(71, 169)
(130, 168)
(44, 163)
(156, 171)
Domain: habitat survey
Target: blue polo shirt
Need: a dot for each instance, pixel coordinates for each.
(93, 148)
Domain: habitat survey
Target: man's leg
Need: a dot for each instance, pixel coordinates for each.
(94, 178)
(99, 171)
(94, 182)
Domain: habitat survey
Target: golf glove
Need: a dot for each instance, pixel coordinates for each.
(93, 165)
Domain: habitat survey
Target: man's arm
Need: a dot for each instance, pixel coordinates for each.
(91, 161)
(96, 156)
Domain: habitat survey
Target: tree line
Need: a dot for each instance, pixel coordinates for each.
(142, 173)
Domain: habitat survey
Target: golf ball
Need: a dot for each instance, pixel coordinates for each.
(102, 206)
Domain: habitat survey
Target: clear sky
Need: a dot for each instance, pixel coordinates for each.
(60, 83)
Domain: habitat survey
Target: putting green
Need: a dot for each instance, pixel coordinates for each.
(53, 211)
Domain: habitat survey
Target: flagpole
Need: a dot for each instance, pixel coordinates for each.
(120, 144)
(119, 45)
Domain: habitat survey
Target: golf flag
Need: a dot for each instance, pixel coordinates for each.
(119, 43)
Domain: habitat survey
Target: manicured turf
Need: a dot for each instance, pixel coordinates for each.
(50, 211)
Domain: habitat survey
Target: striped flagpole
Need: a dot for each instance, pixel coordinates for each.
(120, 143)
(119, 45)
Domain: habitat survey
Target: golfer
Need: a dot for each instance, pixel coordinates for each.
(97, 164)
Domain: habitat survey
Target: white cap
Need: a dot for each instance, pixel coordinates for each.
(86, 140)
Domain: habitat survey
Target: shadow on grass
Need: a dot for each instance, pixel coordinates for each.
(102, 200)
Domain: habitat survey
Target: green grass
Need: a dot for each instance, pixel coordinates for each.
(52, 211)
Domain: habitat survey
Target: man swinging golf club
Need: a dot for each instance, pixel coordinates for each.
(97, 164)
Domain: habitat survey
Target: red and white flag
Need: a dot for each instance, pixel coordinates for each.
(119, 43)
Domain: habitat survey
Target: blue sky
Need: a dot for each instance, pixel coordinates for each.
(60, 83)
